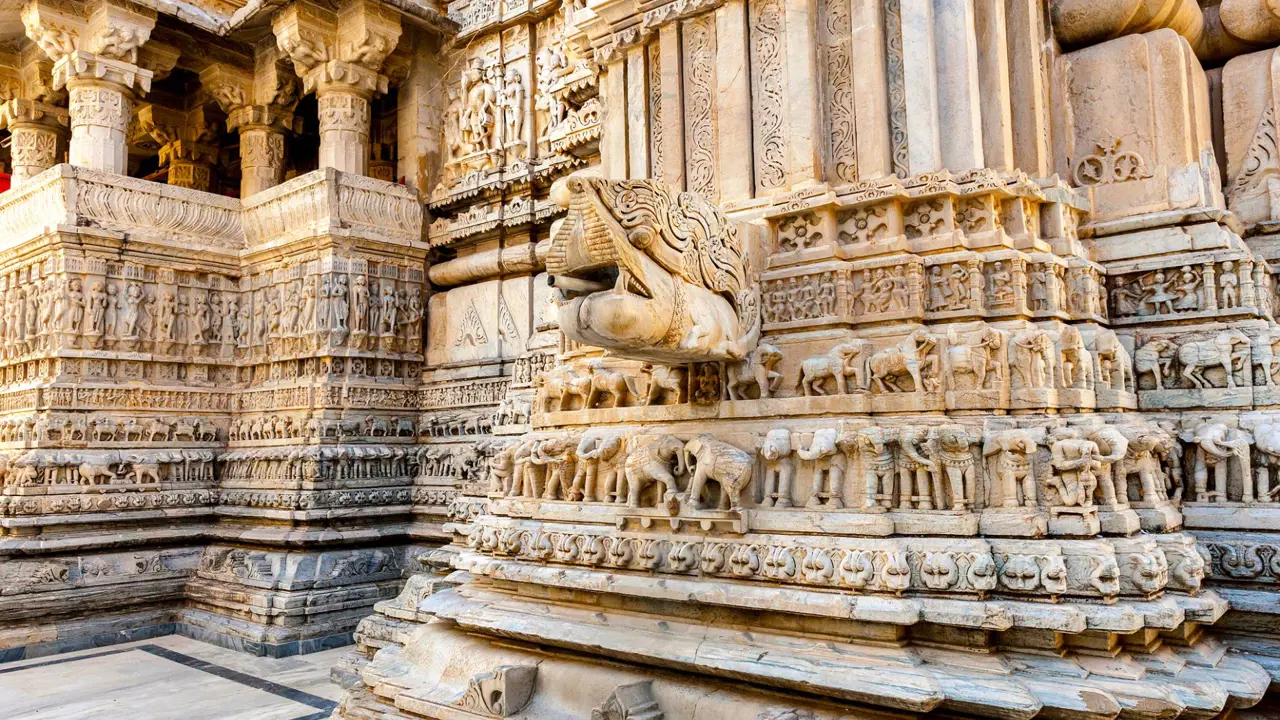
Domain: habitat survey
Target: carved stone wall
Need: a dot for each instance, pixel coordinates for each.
(756, 359)
(931, 342)
(211, 410)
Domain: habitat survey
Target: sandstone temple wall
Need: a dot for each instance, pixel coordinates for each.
(734, 359)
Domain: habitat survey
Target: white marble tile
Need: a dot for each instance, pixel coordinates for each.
(133, 684)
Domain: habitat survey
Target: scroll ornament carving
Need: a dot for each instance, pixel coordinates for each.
(700, 94)
(1109, 164)
(34, 148)
(343, 111)
(634, 701)
(679, 279)
(767, 60)
(501, 693)
(262, 149)
(91, 105)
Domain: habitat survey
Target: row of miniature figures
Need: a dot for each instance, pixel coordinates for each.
(79, 429)
(981, 360)
(948, 467)
(315, 311)
(976, 365)
(104, 469)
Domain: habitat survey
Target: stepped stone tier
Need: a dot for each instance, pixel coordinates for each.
(698, 360)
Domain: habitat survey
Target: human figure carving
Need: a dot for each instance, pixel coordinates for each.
(1075, 462)
(912, 357)
(977, 356)
(1035, 366)
(1156, 358)
(758, 369)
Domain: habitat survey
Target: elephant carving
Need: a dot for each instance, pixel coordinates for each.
(651, 273)
(713, 459)
(653, 463)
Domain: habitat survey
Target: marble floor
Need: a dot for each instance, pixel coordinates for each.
(168, 678)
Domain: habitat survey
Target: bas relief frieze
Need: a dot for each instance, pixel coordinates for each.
(902, 333)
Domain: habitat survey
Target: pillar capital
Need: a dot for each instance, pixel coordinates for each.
(96, 50)
(347, 45)
(259, 105)
(111, 29)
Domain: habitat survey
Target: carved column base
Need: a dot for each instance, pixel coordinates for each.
(316, 598)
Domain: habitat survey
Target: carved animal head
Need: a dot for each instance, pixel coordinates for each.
(651, 273)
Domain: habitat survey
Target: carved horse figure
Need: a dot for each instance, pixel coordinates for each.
(664, 380)
(843, 361)
(975, 359)
(759, 369)
(607, 383)
(1200, 355)
(905, 358)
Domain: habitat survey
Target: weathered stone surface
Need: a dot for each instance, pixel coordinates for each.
(777, 359)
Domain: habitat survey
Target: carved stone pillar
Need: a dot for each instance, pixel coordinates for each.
(35, 130)
(100, 105)
(344, 128)
(95, 57)
(261, 158)
(186, 145)
(358, 37)
(260, 107)
(28, 109)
